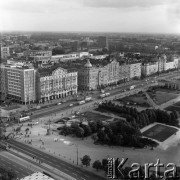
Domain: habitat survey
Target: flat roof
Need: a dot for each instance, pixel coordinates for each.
(37, 176)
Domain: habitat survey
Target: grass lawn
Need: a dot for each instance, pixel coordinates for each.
(91, 116)
(162, 97)
(11, 107)
(171, 108)
(139, 99)
(160, 132)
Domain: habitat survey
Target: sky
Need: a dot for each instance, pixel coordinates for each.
(147, 16)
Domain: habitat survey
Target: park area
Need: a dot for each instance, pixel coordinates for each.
(174, 107)
(160, 132)
(91, 116)
(160, 96)
(139, 99)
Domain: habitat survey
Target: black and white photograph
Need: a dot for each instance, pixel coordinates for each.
(89, 89)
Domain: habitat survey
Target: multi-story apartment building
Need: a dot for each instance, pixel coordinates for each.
(149, 68)
(172, 64)
(54, 83)
(92, 77)
(162, 64)
(18, 83)
(124, 72)
(135, 70)
(5, 52)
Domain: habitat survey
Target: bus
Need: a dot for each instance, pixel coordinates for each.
(22, 119)
(81, 102)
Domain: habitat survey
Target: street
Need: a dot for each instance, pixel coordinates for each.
(74, 171)
(21, 171)
(114, 91)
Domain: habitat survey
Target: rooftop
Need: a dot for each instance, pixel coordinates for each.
(37, 176)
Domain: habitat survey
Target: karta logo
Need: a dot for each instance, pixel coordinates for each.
(116, 170)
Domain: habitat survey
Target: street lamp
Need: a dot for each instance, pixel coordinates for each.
(77, 152)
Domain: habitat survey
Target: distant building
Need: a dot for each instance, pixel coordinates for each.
(5, 52)
(99, 56)
(55, 83)
(65, 57)
(18, 83)
(103, 42)
(34, 53)
(42, 59)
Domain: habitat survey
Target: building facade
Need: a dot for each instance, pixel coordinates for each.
(18, 83)
(5, 52)
(103, 42)
(161, 65)
(124, 72)
(56, 84)
(92, 77)
(65, 57)
(149, 68)
(34, 53)
(135, 70)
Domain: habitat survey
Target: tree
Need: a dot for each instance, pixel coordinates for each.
(86, 160)
(97, 165)
(93, 126)
(80, 132)
(57, 50)
(87, 130)
(7, 174)
(94, 137)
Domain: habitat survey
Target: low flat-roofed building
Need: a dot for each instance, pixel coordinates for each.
(37, 176)
(65, 57)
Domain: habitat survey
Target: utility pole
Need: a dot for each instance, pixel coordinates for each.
(77, 153)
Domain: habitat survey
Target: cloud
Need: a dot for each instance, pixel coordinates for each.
(124, 3)
(173, 13)
(38, 6)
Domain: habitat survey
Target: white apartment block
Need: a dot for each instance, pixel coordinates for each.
(149, 68)
(56, 84)
(19, 83)
(135, 70)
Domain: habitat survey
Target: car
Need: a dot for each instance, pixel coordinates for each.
(59, 103)
(71, 105)
(77, 112)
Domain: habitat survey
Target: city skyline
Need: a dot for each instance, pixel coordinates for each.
(133, 16)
